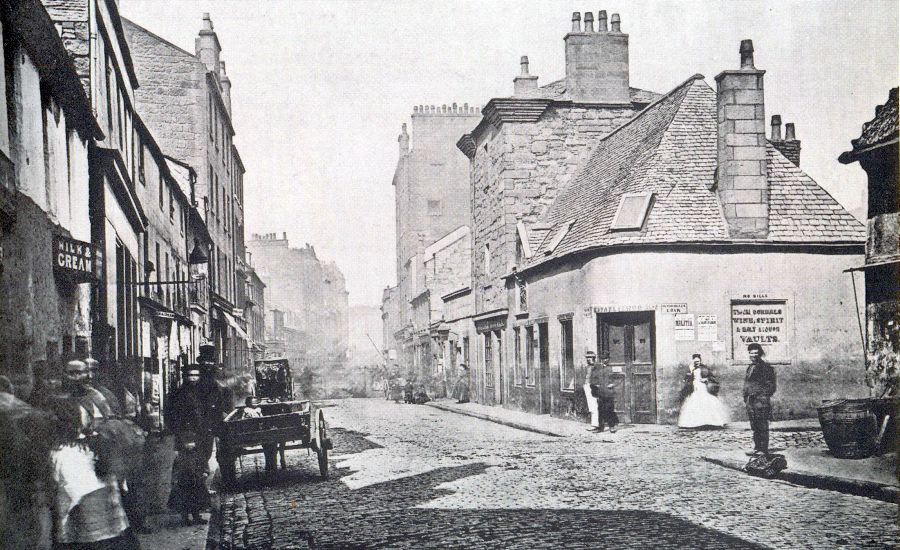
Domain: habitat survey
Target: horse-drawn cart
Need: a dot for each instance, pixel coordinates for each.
(285, 424)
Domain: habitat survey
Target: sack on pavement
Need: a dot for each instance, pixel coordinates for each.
(766, 466)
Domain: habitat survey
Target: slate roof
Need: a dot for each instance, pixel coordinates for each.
(878, 131)
(556, 90)
(669, 149)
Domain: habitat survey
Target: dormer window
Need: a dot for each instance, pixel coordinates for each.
(632, 211)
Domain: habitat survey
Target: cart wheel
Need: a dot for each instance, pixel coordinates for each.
(321, 447)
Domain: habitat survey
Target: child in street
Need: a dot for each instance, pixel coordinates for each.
(251, 408)
(189, 494)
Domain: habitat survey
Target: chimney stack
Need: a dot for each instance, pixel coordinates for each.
(225, 82)
(525, 81)
(403, 138)
(601, 21)
(790, 145)
(597, 62)
(743, 185)
(207, 46)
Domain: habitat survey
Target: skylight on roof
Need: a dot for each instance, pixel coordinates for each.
(632, 211)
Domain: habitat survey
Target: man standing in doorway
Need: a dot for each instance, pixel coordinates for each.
(759, 386)
(593, 379)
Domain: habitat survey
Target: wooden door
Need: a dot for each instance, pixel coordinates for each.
(543, 342)
(629, 340)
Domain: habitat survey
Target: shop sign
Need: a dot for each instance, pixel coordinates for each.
(75, 260)
(764, 323)
(684, 326)
(672, 309)
(497, 323)
(623, 308)
(707, 328)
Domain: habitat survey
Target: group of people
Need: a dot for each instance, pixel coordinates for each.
(76, 444)
(700, 406)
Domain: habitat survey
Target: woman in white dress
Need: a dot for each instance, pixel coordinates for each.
(701, 408)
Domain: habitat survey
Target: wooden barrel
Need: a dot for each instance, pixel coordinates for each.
(849, 427)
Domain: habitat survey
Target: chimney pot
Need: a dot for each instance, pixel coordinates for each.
(207, 22)
(588, 21)
(776, 128)
(747, 54)
(576, 22)
(616, 23)
(285, 235)
(789, 132)
(523, 62)
(601, 21)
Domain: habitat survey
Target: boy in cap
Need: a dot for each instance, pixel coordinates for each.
(759, 386)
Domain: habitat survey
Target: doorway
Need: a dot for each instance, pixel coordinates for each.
(629, 338)
(543, 342)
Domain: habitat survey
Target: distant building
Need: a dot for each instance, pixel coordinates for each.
(312, 296)
(432, 200)
(682, 230)
(876, 151)
(255, 313)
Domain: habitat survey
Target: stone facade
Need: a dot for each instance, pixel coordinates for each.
(517, 170)
(186, 98)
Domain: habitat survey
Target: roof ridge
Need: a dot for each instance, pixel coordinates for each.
(790, 166)
(696, 76)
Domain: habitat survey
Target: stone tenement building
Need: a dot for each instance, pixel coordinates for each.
(186, 100)
(311, 293)
(49, 264)
(432, 200)
(682, 230)
(525, 149)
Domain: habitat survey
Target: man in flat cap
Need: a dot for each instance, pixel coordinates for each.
(759, 386)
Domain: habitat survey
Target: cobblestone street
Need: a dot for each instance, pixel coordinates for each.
(405, 476)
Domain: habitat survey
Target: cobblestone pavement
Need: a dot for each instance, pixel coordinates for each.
(406, 476)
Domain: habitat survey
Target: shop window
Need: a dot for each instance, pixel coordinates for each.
(567, 355)
(632, 211)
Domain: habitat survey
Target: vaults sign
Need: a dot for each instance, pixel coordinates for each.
(75, 260)
(760, 322)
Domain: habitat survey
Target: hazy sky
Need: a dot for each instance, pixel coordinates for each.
(320, 89)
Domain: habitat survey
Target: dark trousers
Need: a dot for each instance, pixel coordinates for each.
(759, 410)
(607, 415)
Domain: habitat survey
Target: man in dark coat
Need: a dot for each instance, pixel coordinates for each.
(759, 386)
(184, 412)
(606, 405)
(217, 399)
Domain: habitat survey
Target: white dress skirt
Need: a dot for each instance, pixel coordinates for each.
(701, 408)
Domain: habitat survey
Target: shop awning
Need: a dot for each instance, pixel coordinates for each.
(229, 318)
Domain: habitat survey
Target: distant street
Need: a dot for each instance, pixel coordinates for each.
(406, 476)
